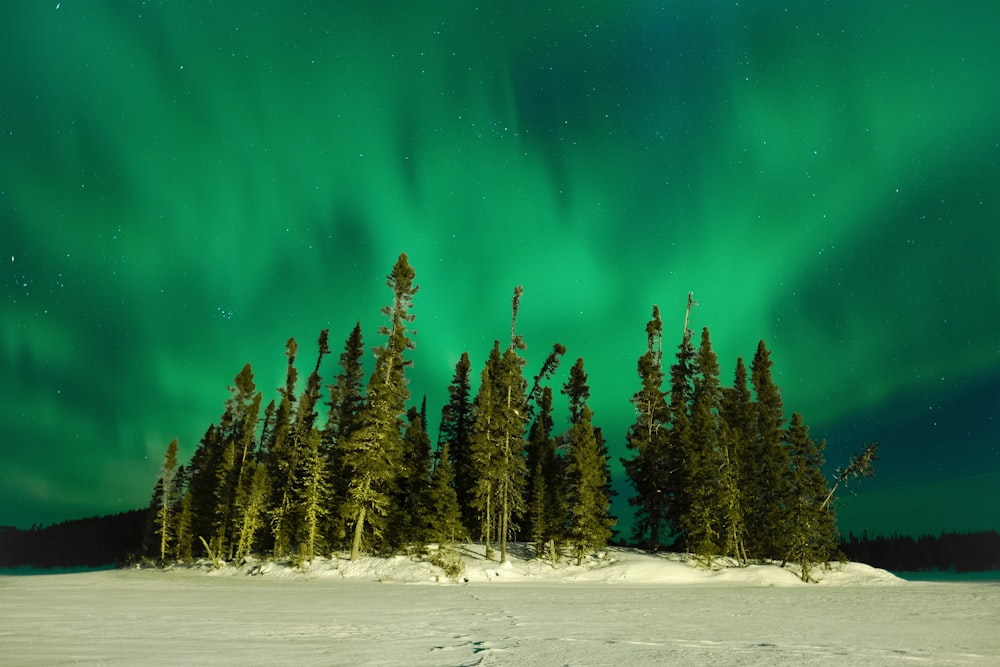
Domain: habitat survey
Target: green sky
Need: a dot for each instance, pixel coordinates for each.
(184, 185)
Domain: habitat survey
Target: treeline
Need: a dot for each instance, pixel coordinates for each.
(959, 552)
(716, 469)
(91, 542)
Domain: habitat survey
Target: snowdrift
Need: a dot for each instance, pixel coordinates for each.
(615, 565)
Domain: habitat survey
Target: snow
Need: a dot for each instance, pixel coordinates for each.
(624, 607)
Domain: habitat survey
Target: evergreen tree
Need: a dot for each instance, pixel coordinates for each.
(455, 431)
(283, 458)
(372, 454)
(313, 496)
(766, 481)
(704, 516)
(735, 412)
(165, 519)
(649, 468)
(346, 401)
(679, 437)
(500, 412)
(484, 454)
(199, 503)
(586, 482)
(251, 506)
(547, 512)
(812, 528)
(445, 514)
(414, 523)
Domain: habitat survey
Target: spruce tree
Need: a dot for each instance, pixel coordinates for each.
(812, 528)
(413, 486)
(165, 516)
(649, 468)
(345, 404)
(703, 460)
(455, 431)
(766, 481)
(312, 496)
(251, 508)
(546, 507)
(445, 514)
(283, 458)
(735, 412)
(372, 454)
(500, 412)
(589, 522)
(679, 436)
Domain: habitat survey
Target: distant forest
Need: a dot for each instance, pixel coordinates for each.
(92, 542)
(718, 471)
(958, 552)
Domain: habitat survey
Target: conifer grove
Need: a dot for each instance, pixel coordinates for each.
(350, 466)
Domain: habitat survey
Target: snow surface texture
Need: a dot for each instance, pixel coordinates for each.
(627, 608)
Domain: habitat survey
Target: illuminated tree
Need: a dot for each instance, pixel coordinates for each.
(165, 518)
(372, 454)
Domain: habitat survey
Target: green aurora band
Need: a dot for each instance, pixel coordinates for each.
(185, 185)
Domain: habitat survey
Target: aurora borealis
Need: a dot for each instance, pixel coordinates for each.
(184, 185)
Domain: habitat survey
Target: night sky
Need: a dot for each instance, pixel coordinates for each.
(185, 185)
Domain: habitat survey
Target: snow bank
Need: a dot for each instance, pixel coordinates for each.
(615, 565)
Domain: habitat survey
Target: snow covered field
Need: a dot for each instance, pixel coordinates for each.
(628, 609)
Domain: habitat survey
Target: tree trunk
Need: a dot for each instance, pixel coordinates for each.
(359, 527)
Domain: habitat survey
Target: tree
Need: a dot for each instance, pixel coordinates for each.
(445, 515)
(500, 412)
(679, 436)
(735, 410)
(346, 402)
(766, 481)
(372, 454)
(282, 459)
(455, 431)
(313, 496)
(168, 500)
(586, 483)
(703, 461)
(812, 529)
(546, 507)
(413, 487)
(649, 468)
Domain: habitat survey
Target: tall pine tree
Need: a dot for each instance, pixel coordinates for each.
(649, 468)
(372, 455)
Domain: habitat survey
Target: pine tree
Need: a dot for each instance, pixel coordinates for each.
(812, 528)
(586, 483)
(484, 454)
(703, 461)
(546, 507)
(345, 404)
(679, 437)
(282, 459)
(413, 523)
(312, 496)
(165, 516)
(445, 514)
(766, 481)
(500, 412)
(455, 431)
(372, 454)
(735, 412)
(649, 469)
(251, 505)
